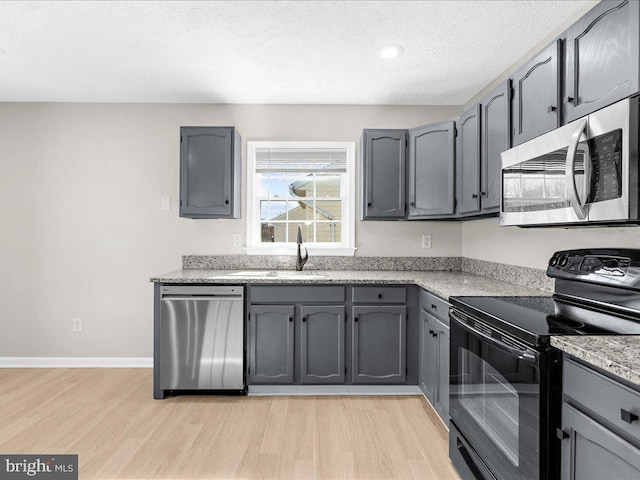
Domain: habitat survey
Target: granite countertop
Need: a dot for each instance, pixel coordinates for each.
(615, 354)
(443, 284)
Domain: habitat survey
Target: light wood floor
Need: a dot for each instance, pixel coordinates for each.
(109, 418)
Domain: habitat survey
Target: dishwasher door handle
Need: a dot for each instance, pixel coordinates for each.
(207, 298)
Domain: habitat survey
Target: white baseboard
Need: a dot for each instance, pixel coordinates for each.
(76, 362)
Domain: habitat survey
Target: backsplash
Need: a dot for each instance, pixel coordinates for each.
(285, 262)
(522, 276)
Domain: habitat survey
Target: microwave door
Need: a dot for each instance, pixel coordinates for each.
(535, 186)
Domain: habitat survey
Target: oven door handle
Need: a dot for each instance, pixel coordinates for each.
(572, 189)
(525, 354)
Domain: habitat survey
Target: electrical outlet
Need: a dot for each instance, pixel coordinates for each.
(77, 325)
(165, 203)
(237, 240)
(426, 241)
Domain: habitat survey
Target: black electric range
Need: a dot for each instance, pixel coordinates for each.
(505, 377)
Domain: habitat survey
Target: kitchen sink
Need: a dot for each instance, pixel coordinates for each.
(282, 274)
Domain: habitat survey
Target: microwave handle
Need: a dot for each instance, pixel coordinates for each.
(574, 199)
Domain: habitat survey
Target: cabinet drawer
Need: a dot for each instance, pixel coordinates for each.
(379, 295)
(434, 305)
(297, 294)
(603, 396)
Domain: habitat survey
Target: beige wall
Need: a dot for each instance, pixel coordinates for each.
(82, 228)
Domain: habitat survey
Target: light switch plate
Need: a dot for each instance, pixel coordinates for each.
(237, 240)
(165, 203)
(426, 241)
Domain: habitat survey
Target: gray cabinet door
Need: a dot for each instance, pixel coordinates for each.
(322, 344)
(601, 65)
(432, 170)
(209, 172)
(428, 356)
(536, 96)
(468, 162)
(495, 121)
(379, 344)
(271, 344)
(441, 401)
(383, 174)
(594, 452)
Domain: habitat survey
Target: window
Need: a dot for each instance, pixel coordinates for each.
(306, 186)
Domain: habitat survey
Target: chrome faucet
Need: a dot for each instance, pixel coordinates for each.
(299, 260)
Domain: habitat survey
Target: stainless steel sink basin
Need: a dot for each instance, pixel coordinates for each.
(278, 274)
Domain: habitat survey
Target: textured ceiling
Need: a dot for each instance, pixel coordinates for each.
(265, 52)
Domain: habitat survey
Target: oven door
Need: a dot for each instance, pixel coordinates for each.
(495, 398)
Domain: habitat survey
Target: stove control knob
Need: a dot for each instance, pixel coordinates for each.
(553, 261)
(563, 261)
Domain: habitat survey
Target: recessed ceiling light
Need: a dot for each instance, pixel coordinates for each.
(391, 51)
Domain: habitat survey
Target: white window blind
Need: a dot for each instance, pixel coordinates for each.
(301, 160)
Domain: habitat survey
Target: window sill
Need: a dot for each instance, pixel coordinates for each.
(313, 251)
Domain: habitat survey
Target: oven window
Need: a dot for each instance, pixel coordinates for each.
(491, 400)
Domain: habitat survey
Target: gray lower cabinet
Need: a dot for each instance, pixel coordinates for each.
(601, 58)
(434, 352)
(468, 162)
(432, 171)
(536, 95)
(379, 344)
(600, 428)
(495, 121)
(271, 343)
(383, 174)
(322, 344)
(210, 172)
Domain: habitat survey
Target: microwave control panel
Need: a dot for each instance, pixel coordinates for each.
(606, 166)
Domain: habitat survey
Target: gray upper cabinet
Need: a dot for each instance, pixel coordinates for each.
(468, 162)
(432, 171)
(210, 178)
(383, 174)
(322, 344)
(536, 95)
(601, 60)
(495, 121)
(271, 346)
(379, 344)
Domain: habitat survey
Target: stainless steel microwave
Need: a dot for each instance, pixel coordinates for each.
(581, 173)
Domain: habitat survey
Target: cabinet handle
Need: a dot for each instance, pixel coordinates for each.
(379, 295)
(561, 434)
(484, 194)
(304, 319)
(291, 319)
(627, 416)
(431, 332)
(434, 307)
(412, 204)
(475, 195)
(355, 319)
(568, 99)
(368, 204)
(551, 109)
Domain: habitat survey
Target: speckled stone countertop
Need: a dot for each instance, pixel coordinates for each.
(443, 284)
(616, 354)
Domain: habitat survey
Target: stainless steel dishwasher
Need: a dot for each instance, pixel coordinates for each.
(201, 338)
